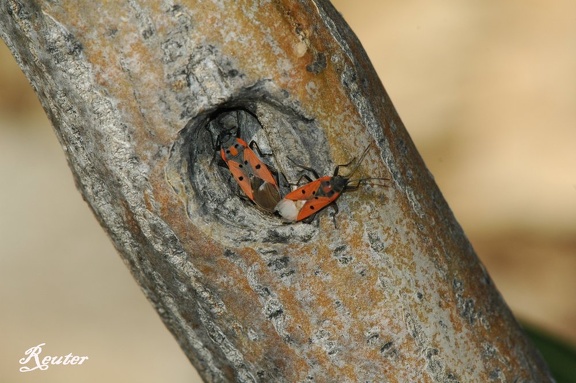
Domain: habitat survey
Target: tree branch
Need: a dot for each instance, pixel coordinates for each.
(393, 293)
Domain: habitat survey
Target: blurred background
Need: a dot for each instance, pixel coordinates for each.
(486, 89)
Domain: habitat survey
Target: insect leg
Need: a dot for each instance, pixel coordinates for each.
(364, 181)
(335, 207)
(305, 168)
(303, 176)
(253, 144)
(342, 166)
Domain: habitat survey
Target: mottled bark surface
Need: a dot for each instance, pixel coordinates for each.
(394, 293)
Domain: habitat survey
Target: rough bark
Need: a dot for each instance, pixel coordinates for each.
(394, 293)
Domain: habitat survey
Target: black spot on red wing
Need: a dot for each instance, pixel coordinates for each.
(303, 191)
(241, 178)
(312, 207)
(245, 162)
(258, 167)
(240, 165)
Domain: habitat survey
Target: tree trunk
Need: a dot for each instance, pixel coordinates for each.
(137, 91)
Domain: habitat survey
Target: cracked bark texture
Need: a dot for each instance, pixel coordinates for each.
(136, 91)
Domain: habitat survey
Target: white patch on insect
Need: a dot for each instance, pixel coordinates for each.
(289, 209)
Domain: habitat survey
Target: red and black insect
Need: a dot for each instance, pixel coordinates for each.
(314, 196)
(250, 172)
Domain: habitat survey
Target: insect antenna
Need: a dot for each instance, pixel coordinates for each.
(355, 166)
(351, 186)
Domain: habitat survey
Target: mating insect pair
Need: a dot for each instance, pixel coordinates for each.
(261, 186)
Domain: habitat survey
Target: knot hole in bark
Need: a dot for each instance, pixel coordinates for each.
(212, 196)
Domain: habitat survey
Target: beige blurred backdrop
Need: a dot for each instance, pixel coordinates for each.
(486, 89)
